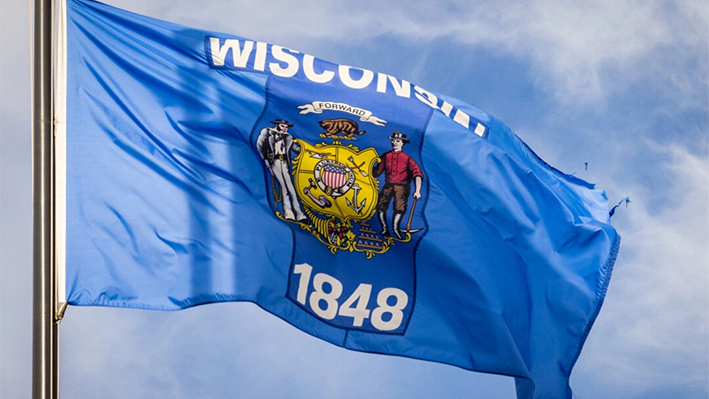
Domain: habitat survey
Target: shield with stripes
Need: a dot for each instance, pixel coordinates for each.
(334, 178)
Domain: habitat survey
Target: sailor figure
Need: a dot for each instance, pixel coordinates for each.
(275, 145)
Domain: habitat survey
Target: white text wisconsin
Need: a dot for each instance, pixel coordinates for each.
(247, 54)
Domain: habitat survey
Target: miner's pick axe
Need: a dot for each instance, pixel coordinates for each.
(411, 216)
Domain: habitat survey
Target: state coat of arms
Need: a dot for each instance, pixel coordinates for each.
(332, 191)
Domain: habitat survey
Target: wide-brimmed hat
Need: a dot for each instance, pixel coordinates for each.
(398, 135)
(282, 122)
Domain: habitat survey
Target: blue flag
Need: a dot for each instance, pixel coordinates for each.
(198, 167)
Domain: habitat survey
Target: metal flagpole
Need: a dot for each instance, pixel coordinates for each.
(44, 330)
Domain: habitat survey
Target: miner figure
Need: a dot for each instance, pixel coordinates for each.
(399, 170)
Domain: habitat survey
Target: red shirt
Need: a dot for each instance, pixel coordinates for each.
(398, 168)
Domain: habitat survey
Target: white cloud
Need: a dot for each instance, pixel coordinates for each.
(657, 309)
(238, 350)
(579, 51)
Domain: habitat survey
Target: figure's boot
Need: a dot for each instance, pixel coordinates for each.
(396, 223)
(383, 221)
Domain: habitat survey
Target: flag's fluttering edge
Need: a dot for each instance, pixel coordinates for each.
(197, 167)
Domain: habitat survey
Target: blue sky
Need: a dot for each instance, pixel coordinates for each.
(620, 85)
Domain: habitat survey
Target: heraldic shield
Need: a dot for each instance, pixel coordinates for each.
(335, 185)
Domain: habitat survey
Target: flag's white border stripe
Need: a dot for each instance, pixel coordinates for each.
(60, 153)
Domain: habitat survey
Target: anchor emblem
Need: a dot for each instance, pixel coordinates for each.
(358, 208)
(334, 183)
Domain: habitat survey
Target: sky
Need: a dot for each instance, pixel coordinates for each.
(616, 92)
